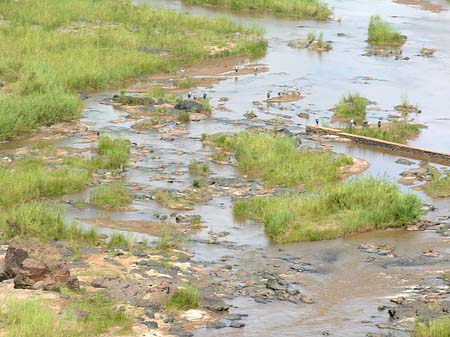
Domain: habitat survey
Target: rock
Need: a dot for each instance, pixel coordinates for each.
(189, 105)
(403, 161)
(216, 325)
(303, 115)
(159, 52)
(36, 266)
(237, 325)
(232, 317)
(398, 300)
(428, 208)
(250, 115)
(341, 35)
(151, 324)
(426, 52)
(299, 43)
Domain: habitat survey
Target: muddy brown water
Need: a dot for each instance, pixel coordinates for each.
(346, 289)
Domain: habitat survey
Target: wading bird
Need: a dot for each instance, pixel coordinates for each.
(189, 95)
(268, 94)
(236, 69)
(317, 121)
(205, 95)
(379, 124)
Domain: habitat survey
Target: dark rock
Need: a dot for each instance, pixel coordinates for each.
(237, 325)
(232, 317)
(403, 161)
(133, 100)
(169, 319)
(215, 325)
(151, 324)
(36, 266)
(189, 105)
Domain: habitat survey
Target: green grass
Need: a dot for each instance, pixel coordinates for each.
(301, 9)
(383, 33)
(198, 169)
(396, 133)
(46, 222)
(439, 186)
(437, 328)
(184, 298)
(114, 152)
(351, 106)
(185, 83)
(52, 49)
(117, 240)
(169, 199)
(33, 318)
(277, 161)
(184, 117)
(112, 196)
(337, 210)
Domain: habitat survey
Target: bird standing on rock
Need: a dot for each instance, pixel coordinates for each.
(195, 97)
(379, 124)
(279, 94)
(205, 95)
(317, 121)
(268, 94)
(256, 70)
(236, 69)
(189, 95)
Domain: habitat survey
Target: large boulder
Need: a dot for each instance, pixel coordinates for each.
(189, 105)
(36, 266)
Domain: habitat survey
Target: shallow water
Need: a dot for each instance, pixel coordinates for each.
(347, 289)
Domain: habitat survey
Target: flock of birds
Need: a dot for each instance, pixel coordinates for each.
(280, 94)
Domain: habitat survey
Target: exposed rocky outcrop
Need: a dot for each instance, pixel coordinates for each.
(34, 266)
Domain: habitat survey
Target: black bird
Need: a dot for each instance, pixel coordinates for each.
(268, 94)
(379, 124)
(279, 94)
(189, 95)
(236, 69)
(352, 122)
(205, 95)
(317, 121)
(365, 124)
(195, 97)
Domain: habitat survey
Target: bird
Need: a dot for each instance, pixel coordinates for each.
(352, 122)
(205, 95)
(195, 97)
(236, 69)
(268, 94)
(256, 70)
(279, 94)
(317, 121)
(189, 95)
(379, 124)
(365, 123)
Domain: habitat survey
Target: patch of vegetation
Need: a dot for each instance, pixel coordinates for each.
(149, 123)
(304, 9)
(196, 168)
(161, 94)
(206, 105)
(169, 199)
(436, 328)
(439, 186)
(112, 196)
(396, 132)
(184, 117)
(383, 33)
(277, 161)
(184, 298)
(317, 42)
(118, 240)
(114, 152)
(355, 206)
(185, 83)
(167, 241)
(351, 106)
(52, 49)
(46, 222)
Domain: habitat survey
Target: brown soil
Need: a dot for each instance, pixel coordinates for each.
(285, 98)
(152, 228)
(358, 166)
(423, 4)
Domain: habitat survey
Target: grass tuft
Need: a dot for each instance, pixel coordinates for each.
(184, 298)
(396, 132)
(118, 240)
(114, 152)
(351, 106)
(383, 33)
(112, 196)
(436, 328)
(439, 186)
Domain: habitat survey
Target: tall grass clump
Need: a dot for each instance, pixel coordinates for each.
(277, 161)
(439, 186)
(118, 240)
(184, 298)
(114, 152)
(43, 221)
(349, 207)
(383, 33)
(396, 132)
(351, 106)
(52, 49)
(112, 196)
(436, 328)
(302, 9)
